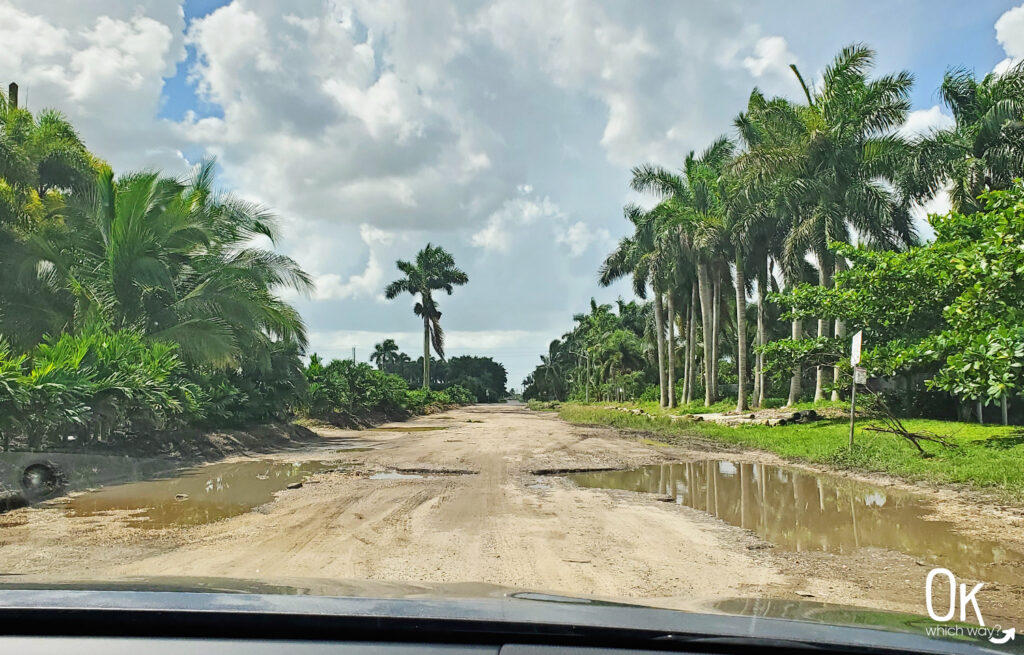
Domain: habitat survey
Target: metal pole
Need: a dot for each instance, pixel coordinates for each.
(853, 409)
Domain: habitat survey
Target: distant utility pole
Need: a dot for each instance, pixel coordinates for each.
(353, 354)
(12, 95)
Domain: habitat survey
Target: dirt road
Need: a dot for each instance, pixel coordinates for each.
(480, 515)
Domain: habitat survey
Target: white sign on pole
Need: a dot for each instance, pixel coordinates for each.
(855, 348)
(860, 375)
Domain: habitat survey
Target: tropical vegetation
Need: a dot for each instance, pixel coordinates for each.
(763, 253)
(433, 270)
(137, 304)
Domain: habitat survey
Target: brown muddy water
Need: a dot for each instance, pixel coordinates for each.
(801, 511)
(198, 495)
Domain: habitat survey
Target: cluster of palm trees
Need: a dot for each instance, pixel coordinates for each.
(387, 356)
(759, 212)
(605, 355)
(85, 252)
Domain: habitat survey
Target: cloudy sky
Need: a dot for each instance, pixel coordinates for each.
(502, 130)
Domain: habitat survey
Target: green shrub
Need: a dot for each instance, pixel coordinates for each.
(97, 385)
(460, 395)
(650, 394)
(352, 388)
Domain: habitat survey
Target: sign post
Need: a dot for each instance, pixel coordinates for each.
(857, 373)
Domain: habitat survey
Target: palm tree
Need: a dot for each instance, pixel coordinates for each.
(983, 150)
(698, 211)
(842, 155)
(385, 354)
(42, 158)
(772, 132)
(174, 260)
(43, 166)
(648, 257)
(851, 165)
(434, 269)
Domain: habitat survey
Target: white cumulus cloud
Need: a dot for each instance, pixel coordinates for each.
(1010, 34)
(924, 121)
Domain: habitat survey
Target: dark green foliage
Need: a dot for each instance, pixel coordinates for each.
(482, 377)
(163, 314)
(354, 393)
(606, 351)
(950, 312)
(459, 395)
(94, 386)
(352, 389)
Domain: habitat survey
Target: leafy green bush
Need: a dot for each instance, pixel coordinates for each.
(460, 395)
(420, 401)
(352, 388)
(650, 394)
(97, 385)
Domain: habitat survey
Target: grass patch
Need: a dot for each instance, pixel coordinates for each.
(727, 405)
(989, 456)
(546, 405)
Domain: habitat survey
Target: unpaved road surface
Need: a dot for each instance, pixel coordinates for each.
(499, 525)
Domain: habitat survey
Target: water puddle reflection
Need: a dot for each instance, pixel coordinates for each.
(195, 496)
(800, 511)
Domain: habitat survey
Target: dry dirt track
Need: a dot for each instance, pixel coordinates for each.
(501, 525)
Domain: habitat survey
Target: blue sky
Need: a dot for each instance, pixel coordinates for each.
(503, 130)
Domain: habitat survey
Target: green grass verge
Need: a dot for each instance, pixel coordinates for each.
(728, 405)
(989, 457)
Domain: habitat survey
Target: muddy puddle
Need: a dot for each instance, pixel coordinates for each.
(801, 511)
(417, 428)
(195, 496)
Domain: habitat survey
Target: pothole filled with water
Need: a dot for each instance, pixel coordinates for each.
(198, 495)
(803, 511)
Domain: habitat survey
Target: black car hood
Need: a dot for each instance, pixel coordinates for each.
(780, 620)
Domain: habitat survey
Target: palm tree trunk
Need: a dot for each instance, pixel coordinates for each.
(426, 353)
(794, 382)
(691, 344)
(762, 338)
(684, 322)
(840, 331)
(716, 323)
(741, 334)
(823, 329)
(671, 347)
(659, 327)
(704, 285)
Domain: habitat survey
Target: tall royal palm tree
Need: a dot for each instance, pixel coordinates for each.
(851, 165)
(985, 147)
(698, 211)
(845, 162)
(433, 270)
(385, 354)
(647, 256)
(772, 133)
